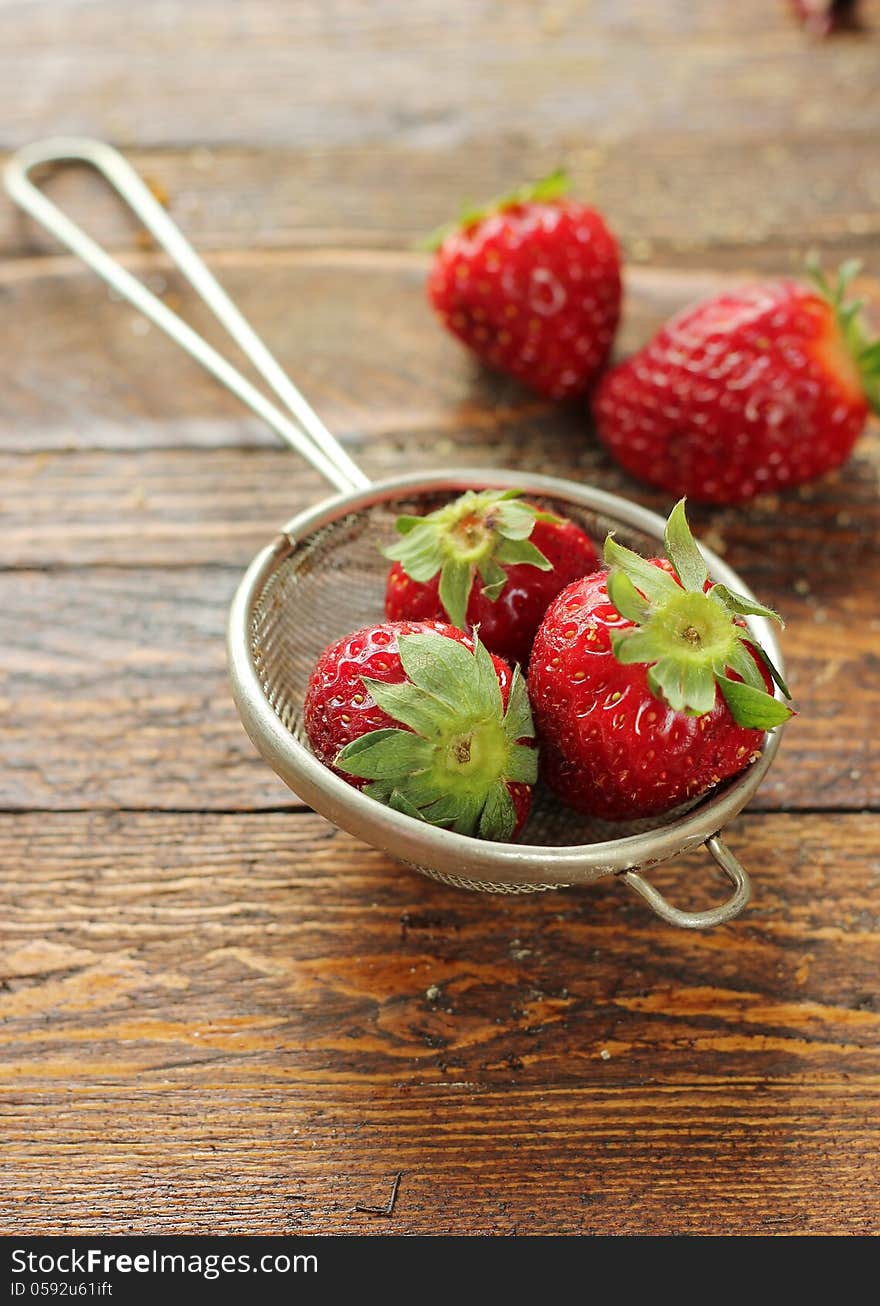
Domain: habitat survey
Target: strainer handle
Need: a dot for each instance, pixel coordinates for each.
(699, 920)
(307, 434)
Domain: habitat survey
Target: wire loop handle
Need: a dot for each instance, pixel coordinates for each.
(307, 434)
(699, 920)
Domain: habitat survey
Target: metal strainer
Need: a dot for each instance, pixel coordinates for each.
(323, 576)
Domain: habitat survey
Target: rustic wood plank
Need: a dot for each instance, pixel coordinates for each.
(151, 76)
(249, 1023)
(104, 690)
(526, 87)
(79, 370)
(673, 199)
(83, 369)
(171, 507)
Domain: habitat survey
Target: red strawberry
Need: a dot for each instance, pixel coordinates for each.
(488, 560)
(822, 17)
(532, 285)
(749, 392)
(646, 687)
(424, 719)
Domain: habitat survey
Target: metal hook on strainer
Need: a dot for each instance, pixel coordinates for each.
(322, 577)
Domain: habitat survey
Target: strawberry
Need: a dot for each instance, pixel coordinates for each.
(531, 284)
(488, 559)
(646, 686)
(822, 17)
(752, 391)
(423, 718)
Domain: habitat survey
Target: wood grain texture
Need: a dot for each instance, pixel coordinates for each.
(817, 189)
(352, 123)
(80, 370)
(219, 1014)
(423, 71)
(249, 1023)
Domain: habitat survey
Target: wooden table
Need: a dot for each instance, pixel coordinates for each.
(219, 1014)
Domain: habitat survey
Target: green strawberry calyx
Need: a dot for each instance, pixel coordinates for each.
(864, 350)
(555, 186)
(690, 636)
(477, 534)
(461, 749)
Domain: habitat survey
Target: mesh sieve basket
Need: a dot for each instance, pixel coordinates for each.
(324, 576)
